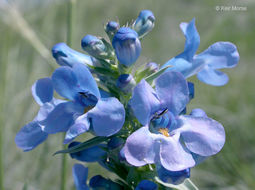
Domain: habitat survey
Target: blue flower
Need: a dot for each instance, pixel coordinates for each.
(65, 56)
(98, 182)
(146, 185)
(80, 175)
(91, 154)
(167, 138)
(176, 177)
(144, 23)
(33, 134)
(87, 110)
(206, 65)
(127, 46)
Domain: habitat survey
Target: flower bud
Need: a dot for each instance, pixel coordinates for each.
(152, 67)
(144, 23)
(65, 56)
(198, 113)
(127, 46)
(126, 83)
(111, 28)
(94, 46)
(99, 182)
(115, 142)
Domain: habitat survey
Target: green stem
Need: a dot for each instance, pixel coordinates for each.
(70, 14)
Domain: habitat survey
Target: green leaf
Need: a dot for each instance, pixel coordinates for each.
(84, 145)
(153, 76)
(186, 185)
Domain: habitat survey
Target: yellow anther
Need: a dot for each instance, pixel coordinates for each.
(164, 131)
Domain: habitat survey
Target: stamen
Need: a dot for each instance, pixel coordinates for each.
(164, 131)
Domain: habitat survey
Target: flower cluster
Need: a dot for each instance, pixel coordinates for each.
(136, 113)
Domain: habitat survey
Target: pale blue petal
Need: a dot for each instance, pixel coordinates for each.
(203, 136)
(62, 117)
(144, 102)
(173, 92)
(141, 148)
(30, 136)
(107, 117)
(91, 154)
(192, 40)
(213, 77)
(42, 90)
(219, 55)
(173, 155)
(80, 175)
(80, 126)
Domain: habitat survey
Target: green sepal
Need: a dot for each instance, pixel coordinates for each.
(105, 71)
(153, 76)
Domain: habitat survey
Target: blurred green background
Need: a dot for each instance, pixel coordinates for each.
(29, 28)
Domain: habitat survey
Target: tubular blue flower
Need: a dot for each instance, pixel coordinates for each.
(144, 23)
(127, 46)
(92, 154)
(175, 178)
(167, 138)
(98, 182)
(102, 116)
(146, 185)
(65, 56)
(80, 175)
(33, 133)
(126, 83)
(206, 65)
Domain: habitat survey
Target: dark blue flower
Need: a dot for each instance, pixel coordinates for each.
(80, 175)
(167, 138)
(146, 185)
(98, 182)
(86, 110)
(91, 154)
(33, 134)
(65, 56)
(176, 177)
(206, 65)
(144, 23)
(127, 46)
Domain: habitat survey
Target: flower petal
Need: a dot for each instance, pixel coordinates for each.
(92, 154)
(65, 56)
(80, 126)
(173, 155)
(192, 40)
(213, 77)
(30, 136)
(144, 102)
(70, 82)
(107, 117)
(172, 90)
(140, 148)
(80, 175)
(62, 117)
(203, 136)
(42, 91)
(219, 55)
